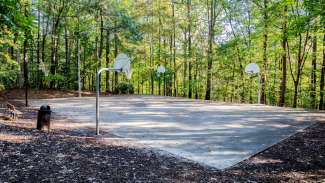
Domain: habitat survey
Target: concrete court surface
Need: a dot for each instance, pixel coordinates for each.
(215, 134)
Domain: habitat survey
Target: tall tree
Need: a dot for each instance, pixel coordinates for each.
(284, 56)
(265, 55)
(189, 44)
(322, 80)
(212, 15)
(313, 73)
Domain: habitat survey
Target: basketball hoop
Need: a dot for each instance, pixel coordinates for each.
(121, 64)
(43, 69)
(160, 70)
(253, 68)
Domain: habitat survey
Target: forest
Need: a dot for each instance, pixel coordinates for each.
(204, 46)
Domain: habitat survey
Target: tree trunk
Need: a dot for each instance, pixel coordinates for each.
(159, 46)
(151, 68)
(100, 48)
(185, 65)
(322, 80)
(299, 68)
(170, 82)
(189, 49)
(210, 47)
(196, 79)
(115, 55)
(107, 60)
(67, 60)
(313, 74)
(295, 96)
(174, 52)
(265, 64)
(38, 47)
(52, 66)
(101, 41)
(26, 83)
(20, 73)
(284, 59)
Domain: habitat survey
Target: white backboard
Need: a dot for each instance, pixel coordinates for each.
(123, 62)
(161, 69)
(252, 68)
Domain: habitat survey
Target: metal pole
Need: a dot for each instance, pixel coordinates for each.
(165, 87)
(98, 92)
(159, 85)
(164, 84)
(259, 89)
(97, 102)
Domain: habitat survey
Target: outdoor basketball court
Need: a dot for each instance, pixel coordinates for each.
(215, 134)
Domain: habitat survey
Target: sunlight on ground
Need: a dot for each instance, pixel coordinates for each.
(15, 138)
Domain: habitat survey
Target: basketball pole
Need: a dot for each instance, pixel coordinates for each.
(259, 88)
(122, 63)
(98, 93)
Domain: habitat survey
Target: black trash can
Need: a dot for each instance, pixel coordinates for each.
(44, 117)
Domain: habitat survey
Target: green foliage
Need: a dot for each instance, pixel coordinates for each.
(13, 23)
(124, 88)
(147, 30)
(2, 87)
(56, 78)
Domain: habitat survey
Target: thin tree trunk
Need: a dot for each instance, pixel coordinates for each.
(100, 48)
(212, 17)
(53, 57)
(38, 46)
(300, 62)
(295, 96)
(159, 46)
(322, 80)
(284, 59)
(185, 64)
(67, 61)
(189, 49)
(107, 60)
(115, 55)
(170, 82)
(174, 52)
(84, 67)
(196, 79)
(20, 79)
(265, 64)
(313, 74)
(43, 53)
(26, 83)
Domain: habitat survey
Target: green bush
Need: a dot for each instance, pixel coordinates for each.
(2, 87)
(124, 88)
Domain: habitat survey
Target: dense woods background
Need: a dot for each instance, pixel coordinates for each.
(204, 45)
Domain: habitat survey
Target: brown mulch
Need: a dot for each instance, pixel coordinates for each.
(15, 94)
(71, 155)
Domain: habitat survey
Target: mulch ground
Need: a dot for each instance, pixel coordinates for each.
(71, 155)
